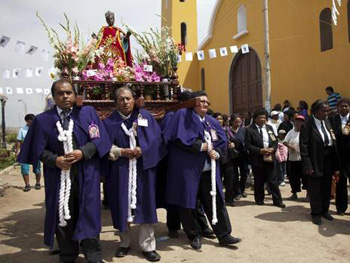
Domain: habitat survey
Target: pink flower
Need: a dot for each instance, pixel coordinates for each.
(101, 65)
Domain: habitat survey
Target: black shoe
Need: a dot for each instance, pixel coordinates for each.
(238, 197)
(196, 243)
(54, 251)
(260, 203)
(327, 216)
(26, 188)
(208, 233)
(151, 255)
(281, 205)
(294, 196)
(317, 220)
(232, 203)
(244, 195)
(37, 187)
(122, 252)
(173, 233)
(340, 213)
(229, 240)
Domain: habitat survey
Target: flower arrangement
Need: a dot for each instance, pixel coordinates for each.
(142, 75)
(159, 48)
(73, 54)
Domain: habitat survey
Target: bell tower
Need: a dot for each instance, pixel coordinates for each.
(181, 17)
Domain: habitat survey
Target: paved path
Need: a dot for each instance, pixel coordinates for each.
(270, 234)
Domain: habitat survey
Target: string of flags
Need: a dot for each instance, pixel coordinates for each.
(20, 90)
(28, 72)
(223, 52)
(22, 48)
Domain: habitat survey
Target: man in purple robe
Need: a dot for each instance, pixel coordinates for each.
(131, 178)
(189, 170)
(70, 142)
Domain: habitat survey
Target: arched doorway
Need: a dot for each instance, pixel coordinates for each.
(246, 83)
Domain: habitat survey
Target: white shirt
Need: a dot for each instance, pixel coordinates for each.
(59, 111)
(344, 120)
(292, 138)
(318, 125)
(265, 135)
(274, 124)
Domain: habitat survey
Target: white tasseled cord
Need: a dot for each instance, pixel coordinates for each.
(335, 12)
(132, 172)
(66, 137)
(207, 138)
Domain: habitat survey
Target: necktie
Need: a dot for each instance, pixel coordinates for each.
(325, 135)
(65, 119)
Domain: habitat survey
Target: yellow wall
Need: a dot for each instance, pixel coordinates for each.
(176, 13)
(299, 70)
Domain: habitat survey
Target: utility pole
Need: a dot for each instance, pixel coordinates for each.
(3, 100)
(267, 57)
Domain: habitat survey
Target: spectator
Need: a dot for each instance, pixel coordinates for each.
(286, 105)
(274, 121)
(287, 124)
(303, 109)
(319, 160)
(24, 166)
(332, 98)
(281, 158)
(295, 171)
(278, 108)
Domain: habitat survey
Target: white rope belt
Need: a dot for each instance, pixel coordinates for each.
(132, 186)
(207, 138)
(66, 137)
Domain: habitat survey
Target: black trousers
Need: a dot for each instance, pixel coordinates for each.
(296, 176)
(341, 195)
(229, 177)
(240, 178)
(266, 174)
(188, 216)
(70, 248)
(319, 189)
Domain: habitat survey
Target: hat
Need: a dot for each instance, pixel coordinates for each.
(281, 131)
(300, 117)
(274, 112)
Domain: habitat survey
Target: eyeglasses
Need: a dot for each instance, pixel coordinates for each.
(205, 102)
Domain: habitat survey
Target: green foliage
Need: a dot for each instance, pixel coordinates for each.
(11, 138)
(7, 158)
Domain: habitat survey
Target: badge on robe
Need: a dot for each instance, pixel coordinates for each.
(142, 121)
(346, 129)
(272, 136)
(94, 131)
(214, 135)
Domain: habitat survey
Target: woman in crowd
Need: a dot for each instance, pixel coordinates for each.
(319, 160)
(295, 168)
(303, 109)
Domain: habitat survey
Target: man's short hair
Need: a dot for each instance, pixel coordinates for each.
(61, 82)
(199, 93)
(125, 87)
(29, 117)
(330, 88)
(259, 112)
(317, 105)
(343, 100)
(184, 96)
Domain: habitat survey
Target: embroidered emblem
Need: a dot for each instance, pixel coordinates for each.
(94, 131)
(214, 135)
(346, 129)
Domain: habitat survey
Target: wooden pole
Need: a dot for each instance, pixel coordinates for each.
(267, 57)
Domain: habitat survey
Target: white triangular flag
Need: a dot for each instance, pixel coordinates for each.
(223, 51)
(29, 73)
(46, 91)
(32, 50)
(6, 74)
(189, 56)
(200, 55)
(15, 73)
(39, 91)
(212, 53)
(38, 71)
(19, 90)
(29, 90)
(245, 49)
(179, 59)
(9, 90)
(20, 45)
(234, 49)
(1, 91)
(4, 40)
(45, 55)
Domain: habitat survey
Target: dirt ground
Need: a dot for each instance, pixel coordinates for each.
(269, 234)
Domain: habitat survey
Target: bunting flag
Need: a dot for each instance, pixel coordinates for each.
(179, 59)
(38, 71)
(212, 53)
(6, 74)
(20, 45)
(15, 73)
(189, 56)
(32, 50)
(29, 73)
(39, 91)
(234, 49)
(200, 55)
(4, 40)
(45, 55)
(9, 90)
(29, 90)
(47, 91)
(245, 49)
(19, 90)
(223, 51)
(1, 90)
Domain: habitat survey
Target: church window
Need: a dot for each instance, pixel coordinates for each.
(203, 79)
(183, 34)
(241, 19)
(326, 31)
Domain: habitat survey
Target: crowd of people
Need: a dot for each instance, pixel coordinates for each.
(193, 163)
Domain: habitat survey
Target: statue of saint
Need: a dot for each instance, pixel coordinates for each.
(115, 39)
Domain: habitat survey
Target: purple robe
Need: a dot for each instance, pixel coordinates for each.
(42, 135)
(149, 139)
(185, 167)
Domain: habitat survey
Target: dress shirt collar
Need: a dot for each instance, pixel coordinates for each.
(59, 110)
(123, 116)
